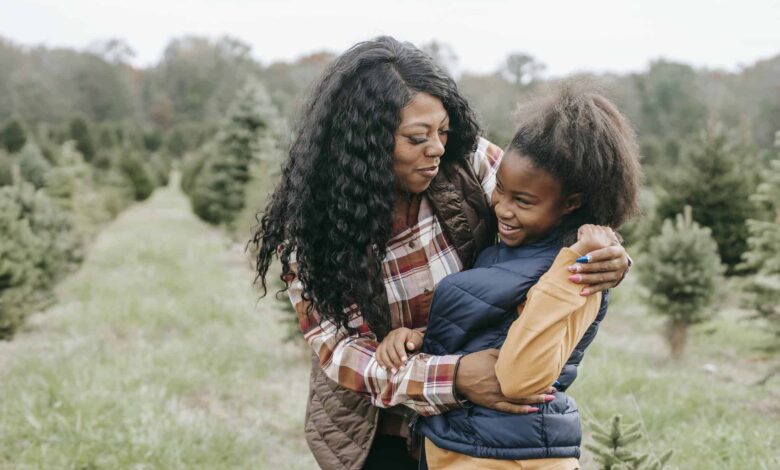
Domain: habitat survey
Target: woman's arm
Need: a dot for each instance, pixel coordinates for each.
(424, 383)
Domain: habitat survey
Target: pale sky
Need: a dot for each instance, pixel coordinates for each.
(568, 36)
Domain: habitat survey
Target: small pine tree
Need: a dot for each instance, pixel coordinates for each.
(6, 169)
(681, 271)
(80, 132)
(610, 449)
(709, 180)
(13, 136)
(32, 165)
(37, 248)
(763, 255)
(218, 191)
(18, 274)
(131, 165)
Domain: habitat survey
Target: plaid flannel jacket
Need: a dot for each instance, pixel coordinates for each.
(418, 258)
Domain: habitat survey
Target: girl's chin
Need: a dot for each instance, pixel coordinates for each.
(511, 241)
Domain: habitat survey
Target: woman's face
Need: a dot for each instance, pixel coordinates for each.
(419, 142)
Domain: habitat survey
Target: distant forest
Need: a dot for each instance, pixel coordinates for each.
(196, 79)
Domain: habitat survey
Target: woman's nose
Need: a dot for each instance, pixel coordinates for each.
(435, 149)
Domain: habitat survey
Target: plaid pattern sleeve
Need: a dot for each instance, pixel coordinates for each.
(485, 161)
(424, 384)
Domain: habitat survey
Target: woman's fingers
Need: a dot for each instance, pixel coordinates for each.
(532, 400)
(598, 266)
(507, 407)
(597, 288)
(607, 254)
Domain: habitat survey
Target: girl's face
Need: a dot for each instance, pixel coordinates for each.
(419, 142)
(528, 201)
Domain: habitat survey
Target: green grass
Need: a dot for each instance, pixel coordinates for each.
(157, 355)
(704, 406)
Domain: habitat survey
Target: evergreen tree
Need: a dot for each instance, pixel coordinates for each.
(610, 449)
(13, 136)
(80, 132)
(763, 255)
(131, 165)
(681, 271)
(37, 248)
(6, 169)
(18, 274)
(218, 190)
(32, 165)
(710, 181)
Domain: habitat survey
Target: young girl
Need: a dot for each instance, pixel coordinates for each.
(549, 189)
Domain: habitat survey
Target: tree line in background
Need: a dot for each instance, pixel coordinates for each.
(88, 119)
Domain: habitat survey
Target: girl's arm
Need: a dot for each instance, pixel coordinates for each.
(553, 321)
(550, 325)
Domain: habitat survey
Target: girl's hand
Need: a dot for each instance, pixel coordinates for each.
(391, 352)
(605, 262)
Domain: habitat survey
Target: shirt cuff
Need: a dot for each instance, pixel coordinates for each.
(439, 388)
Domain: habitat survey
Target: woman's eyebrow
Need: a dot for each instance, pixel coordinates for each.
(425, 124)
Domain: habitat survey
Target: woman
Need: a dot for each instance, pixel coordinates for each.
(384, 194)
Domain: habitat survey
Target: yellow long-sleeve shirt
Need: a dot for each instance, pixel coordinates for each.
(549, 326)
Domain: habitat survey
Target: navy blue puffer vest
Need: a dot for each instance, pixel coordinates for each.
(472, 311)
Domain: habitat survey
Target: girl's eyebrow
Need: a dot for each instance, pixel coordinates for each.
(518, 193)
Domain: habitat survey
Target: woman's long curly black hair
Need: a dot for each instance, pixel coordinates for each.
(333, 207)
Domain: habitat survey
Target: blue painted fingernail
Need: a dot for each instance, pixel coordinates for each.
(583, 259)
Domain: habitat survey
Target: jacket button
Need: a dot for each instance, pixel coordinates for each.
(412, 244)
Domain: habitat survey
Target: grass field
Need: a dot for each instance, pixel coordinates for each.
(158, 355)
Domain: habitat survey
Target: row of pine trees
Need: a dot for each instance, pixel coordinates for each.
(58, 187)
(712, 222)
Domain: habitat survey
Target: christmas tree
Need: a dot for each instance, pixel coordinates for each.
(13, 136)
(763, 254)
(610, 449)
(709, 180)
(681, 271)
(218, 190)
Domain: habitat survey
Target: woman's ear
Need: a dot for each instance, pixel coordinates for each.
(572, 203)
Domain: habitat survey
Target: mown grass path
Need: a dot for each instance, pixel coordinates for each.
(157, 355)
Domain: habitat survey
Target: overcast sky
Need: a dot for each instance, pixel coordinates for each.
(568, 36)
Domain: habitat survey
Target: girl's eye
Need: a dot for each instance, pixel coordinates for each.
(522, 202)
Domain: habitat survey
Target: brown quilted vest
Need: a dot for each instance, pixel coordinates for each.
(340, 424)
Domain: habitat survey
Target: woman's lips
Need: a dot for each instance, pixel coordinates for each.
(429, 172)
(507, 230)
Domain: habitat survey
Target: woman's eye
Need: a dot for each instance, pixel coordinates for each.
(444, 132)
(417, 140)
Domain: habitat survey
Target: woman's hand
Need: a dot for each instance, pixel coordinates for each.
(605, 262)
(391, 352)
(476, 381)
